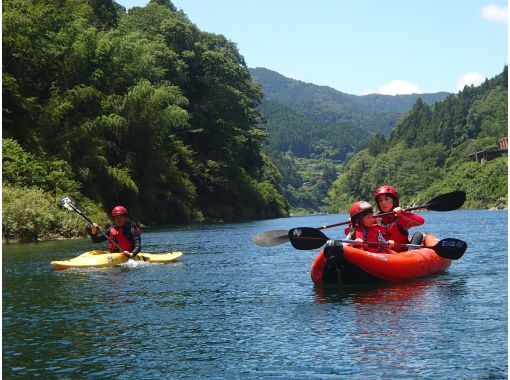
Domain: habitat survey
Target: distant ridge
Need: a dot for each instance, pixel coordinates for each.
(292, 92)
(314, 129)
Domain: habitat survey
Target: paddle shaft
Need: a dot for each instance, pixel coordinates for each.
(406, 209)
(445, 202)
(306, 238)
(333, 225)
(373, 243)
(375, 216)
(453, 200)
(79, 212)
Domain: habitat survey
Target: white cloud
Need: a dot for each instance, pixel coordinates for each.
(368, 92)
(469, 79)
(495, 13)
(395, 87)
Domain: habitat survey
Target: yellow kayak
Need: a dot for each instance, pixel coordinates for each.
(99, 258)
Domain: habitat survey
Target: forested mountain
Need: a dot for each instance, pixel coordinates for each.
(305, 137)
(374, 113)
(312, 129)
(427, 152)
(139, 108)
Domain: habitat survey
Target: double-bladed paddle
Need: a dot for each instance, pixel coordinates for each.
(70, 204)
(305, 238)
(445, 202)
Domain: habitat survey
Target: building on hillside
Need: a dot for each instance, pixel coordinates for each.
(490, 154)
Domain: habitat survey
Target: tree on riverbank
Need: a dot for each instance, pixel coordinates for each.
(428, 151)
(141, 108)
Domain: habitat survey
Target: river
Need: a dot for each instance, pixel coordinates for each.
(230, 309)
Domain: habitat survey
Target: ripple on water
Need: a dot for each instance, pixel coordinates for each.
(229, 308)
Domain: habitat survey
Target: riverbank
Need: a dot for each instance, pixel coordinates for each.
(80, 224)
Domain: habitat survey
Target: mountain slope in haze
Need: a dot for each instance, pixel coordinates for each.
(307, 153)
(308, 138)
(428, 151)
(313, 129)
(374, 113)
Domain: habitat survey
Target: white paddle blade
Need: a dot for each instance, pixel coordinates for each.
(68, 203)
(270, 238)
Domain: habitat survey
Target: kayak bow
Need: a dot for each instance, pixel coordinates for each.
(98, 258)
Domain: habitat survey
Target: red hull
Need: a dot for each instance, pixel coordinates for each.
(371, 267)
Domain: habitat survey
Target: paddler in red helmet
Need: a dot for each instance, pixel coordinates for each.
(397, 225)
(363, 228)
(122, 232)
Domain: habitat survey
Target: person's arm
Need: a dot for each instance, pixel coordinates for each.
(407, 219)
(96, 235)
(136, 240)
(390, 247)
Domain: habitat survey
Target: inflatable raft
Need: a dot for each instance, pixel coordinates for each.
(99, 258)
(348, 265)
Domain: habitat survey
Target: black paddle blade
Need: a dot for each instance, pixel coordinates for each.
(306, 238)
(450, 248)
(271, 238)
(447, 202)
(69, 203)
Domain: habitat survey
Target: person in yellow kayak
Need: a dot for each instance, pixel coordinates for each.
(122, 232)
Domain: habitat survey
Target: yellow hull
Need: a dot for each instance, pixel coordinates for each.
(99, 258)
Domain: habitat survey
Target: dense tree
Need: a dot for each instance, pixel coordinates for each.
(141, 108)
(428, 150)
(307, 123)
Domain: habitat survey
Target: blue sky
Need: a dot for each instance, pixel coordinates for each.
(358, 47)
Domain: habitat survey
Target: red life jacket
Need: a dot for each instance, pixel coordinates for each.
(391, 230)
(118, 236)
(372, 234)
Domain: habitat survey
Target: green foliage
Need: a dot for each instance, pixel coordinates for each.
(20, 168)
(304, 137)
(305, 181)
(428, 152)
(139, 108)
(483, 184)
(308, 123)
(30, 214)
(325, 105)
(377, 145)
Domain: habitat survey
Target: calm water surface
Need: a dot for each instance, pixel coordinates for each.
(232, 309)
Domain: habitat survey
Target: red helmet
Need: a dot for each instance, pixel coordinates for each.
(385, 189)
(119, 210)
(359, 207)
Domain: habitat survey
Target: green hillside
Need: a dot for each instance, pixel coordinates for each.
(310, 122)
(305, 137)
(139, 108)
(374, 113)
(427, 152)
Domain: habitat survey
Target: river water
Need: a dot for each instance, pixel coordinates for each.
(230, 309)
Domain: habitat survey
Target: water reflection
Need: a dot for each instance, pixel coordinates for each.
(230, 309)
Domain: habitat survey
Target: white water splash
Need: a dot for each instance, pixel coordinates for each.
(134, 264)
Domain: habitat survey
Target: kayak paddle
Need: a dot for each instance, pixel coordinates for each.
(271, 238)
(446, 202)
(70, 204)
(306, 238)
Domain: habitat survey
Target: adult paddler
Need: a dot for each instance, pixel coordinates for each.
(122, 232)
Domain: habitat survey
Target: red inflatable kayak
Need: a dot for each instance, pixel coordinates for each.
(349, 265)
